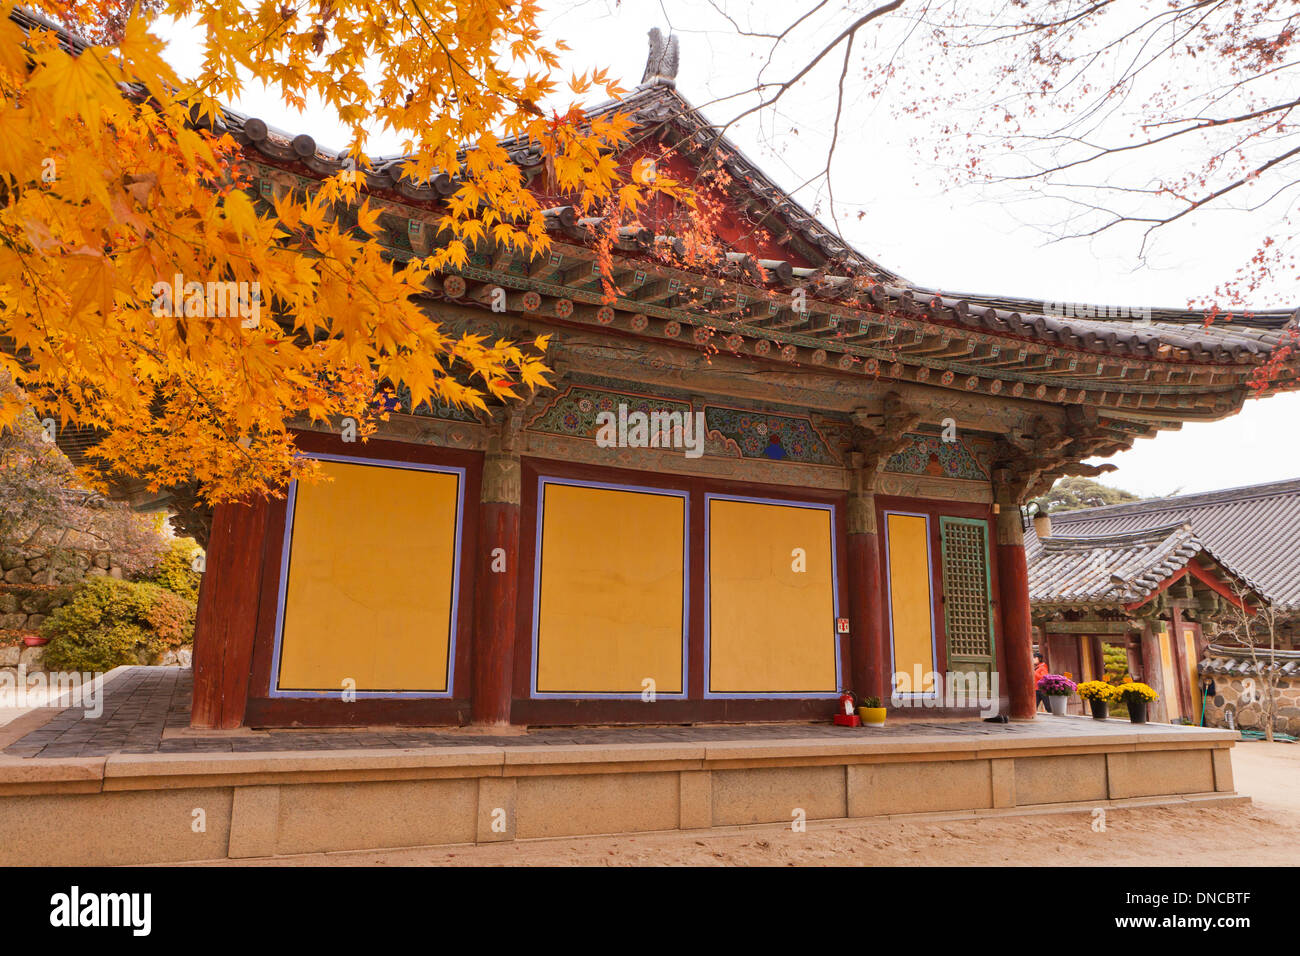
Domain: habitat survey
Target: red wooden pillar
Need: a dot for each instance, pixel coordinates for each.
(1153, 673)
(1178, 649)
(870, 661)
(1013, 596)
(493, 650)
(867, 640)
(226, 623)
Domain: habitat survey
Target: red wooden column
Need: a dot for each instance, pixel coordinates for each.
(226, 623)
(1153, 673)
(495, 600)
(1013, 596)
(867, 649)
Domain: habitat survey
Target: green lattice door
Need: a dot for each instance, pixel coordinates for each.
(967, 594)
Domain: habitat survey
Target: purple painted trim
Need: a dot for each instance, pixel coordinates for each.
(835, 600)
(542, 482)
(889, 603)
(274, 691)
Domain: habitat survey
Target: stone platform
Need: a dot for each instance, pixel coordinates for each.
(137, 786)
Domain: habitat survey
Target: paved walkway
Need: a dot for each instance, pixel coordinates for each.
(146, 707)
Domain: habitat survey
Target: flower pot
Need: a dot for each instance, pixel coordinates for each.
(35, 640)
(1057, 703)
(1100, 709)
(1137, 711)
(872, 716)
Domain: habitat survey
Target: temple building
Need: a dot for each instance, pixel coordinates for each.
(1160, 579)
(754, 484)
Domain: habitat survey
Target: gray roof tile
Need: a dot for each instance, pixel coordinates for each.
(1253, 531)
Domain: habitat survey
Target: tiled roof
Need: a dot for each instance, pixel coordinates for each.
(1231, 338)
(1253, 531)
(1118, 568)
(843, 280)
(1237, 662)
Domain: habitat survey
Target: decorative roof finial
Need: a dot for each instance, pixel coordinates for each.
(661, 65)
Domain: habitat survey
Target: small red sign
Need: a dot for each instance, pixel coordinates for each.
(842, 625)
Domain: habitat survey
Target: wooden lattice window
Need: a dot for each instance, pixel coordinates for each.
(967, 598)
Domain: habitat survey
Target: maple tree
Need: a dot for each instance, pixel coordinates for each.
(122, 206)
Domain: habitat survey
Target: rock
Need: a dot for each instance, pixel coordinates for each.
(96, 572)
(9, 656)
(13, 622)
(115, 572)
(8, 603)
(10, 560)
(21, 575)
(33, 658)
(37, 602)
(83, 561)
(101, 560)
(185, 656)
(34, 621)
(38, 563)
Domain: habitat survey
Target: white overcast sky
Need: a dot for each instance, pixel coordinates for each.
(974, 239)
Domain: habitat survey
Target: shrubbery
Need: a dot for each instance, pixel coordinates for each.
(112, 622)
(175, 569)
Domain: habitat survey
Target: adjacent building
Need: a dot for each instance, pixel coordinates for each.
(1161, 578)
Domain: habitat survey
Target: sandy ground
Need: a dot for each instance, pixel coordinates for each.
(1266, 833)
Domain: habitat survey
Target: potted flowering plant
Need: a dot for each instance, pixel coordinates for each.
(1136, 696)
(1098, 694)
(871, 711)
(1058, 689)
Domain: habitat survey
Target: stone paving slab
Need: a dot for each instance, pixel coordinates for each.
(143, 703)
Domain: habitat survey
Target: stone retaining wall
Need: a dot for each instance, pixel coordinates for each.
(31, 589)
(1236, 704)
(1239, 685)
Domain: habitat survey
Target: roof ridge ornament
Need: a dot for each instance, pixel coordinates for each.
(661, 64)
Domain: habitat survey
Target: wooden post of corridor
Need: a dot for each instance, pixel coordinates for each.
(496, 585)
(1013, 596)
(867, 650)
(226, 623)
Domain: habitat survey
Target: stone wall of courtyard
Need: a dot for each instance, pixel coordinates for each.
(1239, 689)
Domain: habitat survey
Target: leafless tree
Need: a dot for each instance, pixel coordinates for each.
(1134, 116)
(1253, 624)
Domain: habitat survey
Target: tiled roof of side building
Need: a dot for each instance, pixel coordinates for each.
(1114, 569)
(1254, 531)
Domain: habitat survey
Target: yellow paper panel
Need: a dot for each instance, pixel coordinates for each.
(370, 580)
(772, 628)
(612, 591)
(910, 601)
